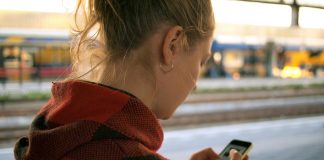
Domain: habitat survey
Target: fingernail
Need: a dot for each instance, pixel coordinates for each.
(233, 151)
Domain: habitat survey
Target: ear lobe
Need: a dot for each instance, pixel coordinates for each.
(170, 43)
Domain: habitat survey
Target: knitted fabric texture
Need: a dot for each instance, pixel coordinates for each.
(84, 120)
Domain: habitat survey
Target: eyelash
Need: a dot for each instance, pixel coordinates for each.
(203, 63)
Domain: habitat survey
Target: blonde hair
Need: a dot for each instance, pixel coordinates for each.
(123, 25)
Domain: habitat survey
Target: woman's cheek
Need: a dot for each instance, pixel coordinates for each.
(197, 73)
(195, 76)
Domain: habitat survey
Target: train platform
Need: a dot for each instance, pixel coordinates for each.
(272, 139)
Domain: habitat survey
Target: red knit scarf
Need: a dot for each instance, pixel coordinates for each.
(84, 120)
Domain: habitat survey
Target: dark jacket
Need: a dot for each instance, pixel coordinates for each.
(84, 120)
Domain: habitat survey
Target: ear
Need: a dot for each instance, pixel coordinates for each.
(170, 45)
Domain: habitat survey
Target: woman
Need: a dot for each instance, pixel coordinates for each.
(139, 66)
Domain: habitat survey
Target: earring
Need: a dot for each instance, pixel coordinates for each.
(167, 69)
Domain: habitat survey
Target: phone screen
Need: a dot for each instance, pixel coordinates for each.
(241, 146)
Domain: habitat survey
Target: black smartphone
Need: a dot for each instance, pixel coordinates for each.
(242, 147)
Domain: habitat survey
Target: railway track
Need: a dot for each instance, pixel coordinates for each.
(251, 95)
(243, 115)
(25, 112)
(31, 107)
(199, 109)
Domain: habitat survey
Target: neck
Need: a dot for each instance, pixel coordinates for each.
(132, 78)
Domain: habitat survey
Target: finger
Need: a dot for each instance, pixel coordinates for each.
(205, 154)
(235, 155)
(211, 154)
(246, 157)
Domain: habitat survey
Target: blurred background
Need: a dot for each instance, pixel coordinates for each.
(264, 82)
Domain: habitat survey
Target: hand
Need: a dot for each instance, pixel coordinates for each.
(209, 154)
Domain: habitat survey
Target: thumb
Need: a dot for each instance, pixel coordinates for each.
(235, 155)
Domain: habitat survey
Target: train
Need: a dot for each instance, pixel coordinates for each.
(30, 57)
(271, 59)
(24, 57)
